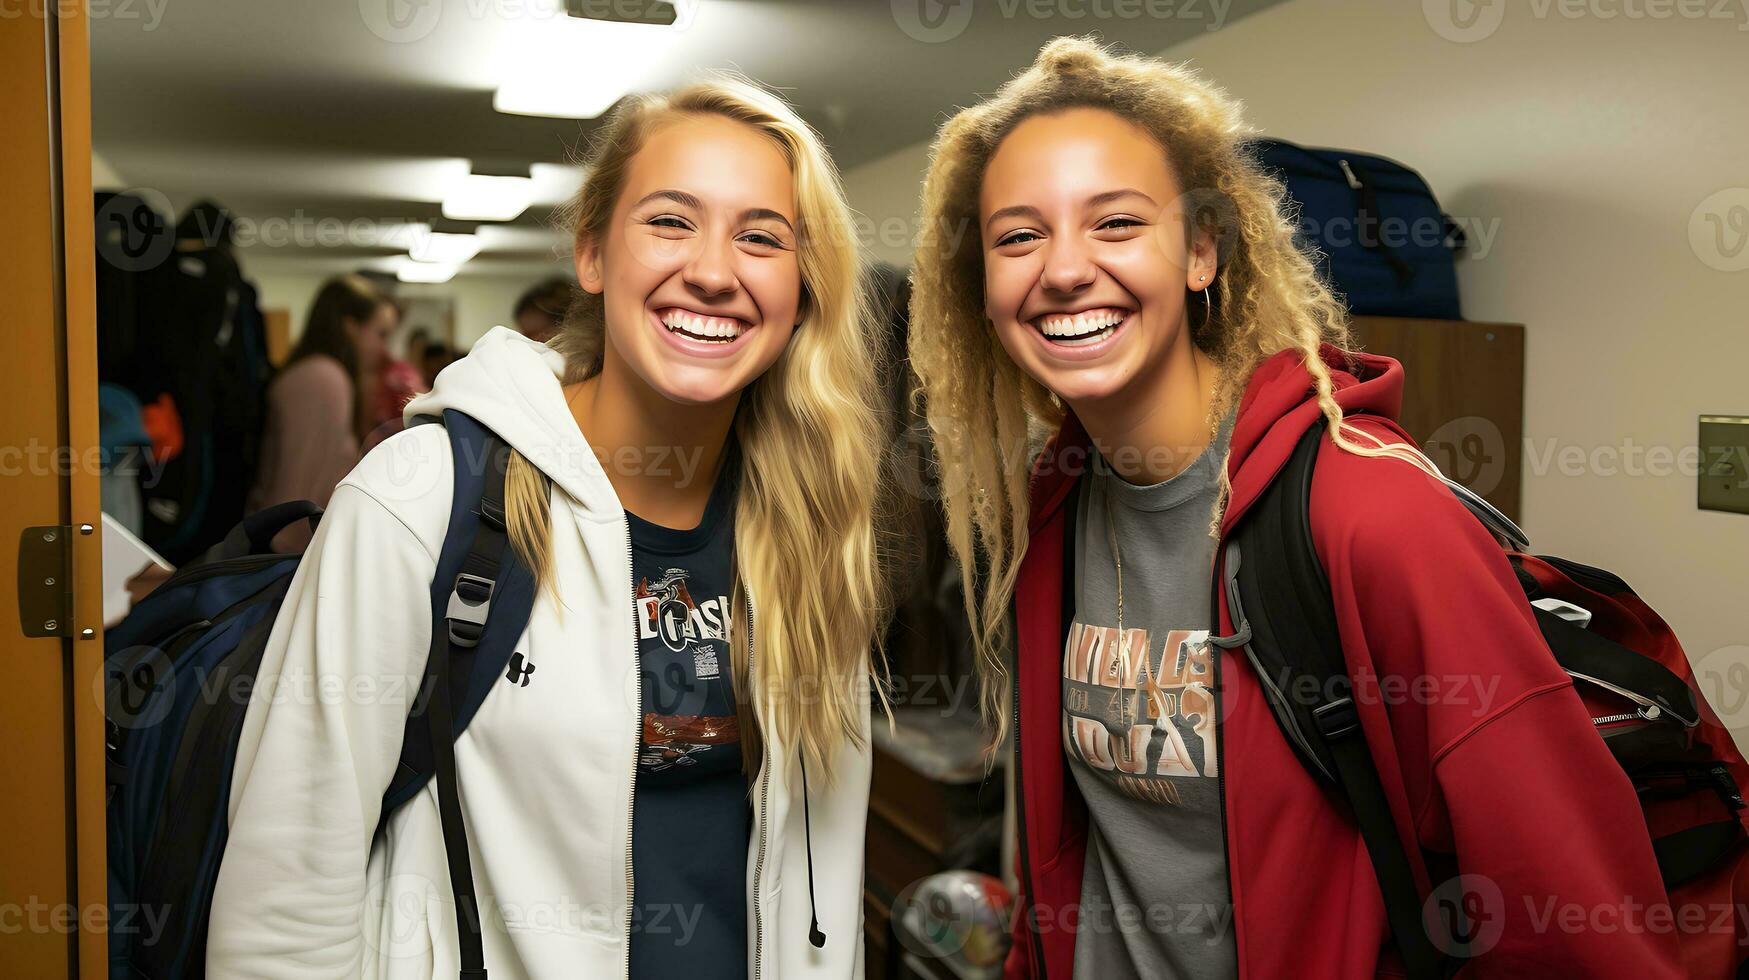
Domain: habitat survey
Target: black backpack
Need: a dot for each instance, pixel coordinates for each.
(172, 730)
(1636, 684)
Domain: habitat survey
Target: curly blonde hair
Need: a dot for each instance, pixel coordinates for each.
(986, 414)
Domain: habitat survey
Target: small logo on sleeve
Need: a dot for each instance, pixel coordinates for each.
(519, 670)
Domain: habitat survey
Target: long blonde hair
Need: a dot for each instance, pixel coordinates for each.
(985, 413)
(808, 431)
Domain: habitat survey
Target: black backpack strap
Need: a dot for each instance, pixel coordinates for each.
(1285, 623)
(481, 600)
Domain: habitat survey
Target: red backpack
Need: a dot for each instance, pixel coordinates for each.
(1625, 663)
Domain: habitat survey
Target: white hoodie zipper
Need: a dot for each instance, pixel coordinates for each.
(764, 783)
(637, 741)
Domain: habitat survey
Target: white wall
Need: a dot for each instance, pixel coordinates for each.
(1589, 143)
(103, 176)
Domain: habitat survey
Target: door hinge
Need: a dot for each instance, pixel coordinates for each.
(45, 579)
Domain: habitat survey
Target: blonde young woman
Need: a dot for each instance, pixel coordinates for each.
(694, 462)
(1102, 261)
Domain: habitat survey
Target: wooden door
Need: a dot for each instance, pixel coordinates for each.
(53, 903)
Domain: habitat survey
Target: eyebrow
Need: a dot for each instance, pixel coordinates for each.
(1028, 211)
(684, 199)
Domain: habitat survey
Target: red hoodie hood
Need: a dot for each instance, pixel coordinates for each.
(1278, 406)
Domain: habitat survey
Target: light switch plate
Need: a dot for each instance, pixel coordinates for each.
(1724, 463)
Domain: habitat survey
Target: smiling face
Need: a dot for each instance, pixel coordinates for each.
(698, 266)
(1086, 265)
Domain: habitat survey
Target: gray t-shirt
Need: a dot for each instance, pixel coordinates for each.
(1139, 729)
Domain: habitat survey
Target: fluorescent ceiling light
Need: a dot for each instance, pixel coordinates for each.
(573, 68)
(480, 197)
(447, 247)
(554, 183)
(426, 271)
(401, 234)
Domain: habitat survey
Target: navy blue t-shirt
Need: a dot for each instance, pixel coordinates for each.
(690, 815)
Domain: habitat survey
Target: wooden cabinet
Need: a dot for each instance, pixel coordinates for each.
(1463, 397)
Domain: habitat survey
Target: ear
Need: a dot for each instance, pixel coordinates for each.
(1202, 262)
(588, 256)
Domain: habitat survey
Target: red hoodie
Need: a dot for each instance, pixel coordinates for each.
(1492, 763)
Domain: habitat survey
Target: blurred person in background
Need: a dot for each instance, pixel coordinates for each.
(541, 310)
(395, 383)
(434, 358)
(315, 404)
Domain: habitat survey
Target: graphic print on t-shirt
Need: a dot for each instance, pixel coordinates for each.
(1143, 717)
(682, 720)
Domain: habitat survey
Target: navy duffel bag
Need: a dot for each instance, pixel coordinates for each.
(1385, 244)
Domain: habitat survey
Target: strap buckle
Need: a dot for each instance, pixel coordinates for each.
(469, 604)
(1337, 719)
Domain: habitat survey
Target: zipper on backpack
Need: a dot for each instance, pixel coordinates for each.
(637, 742)
(1348, 173)
(1648, 709)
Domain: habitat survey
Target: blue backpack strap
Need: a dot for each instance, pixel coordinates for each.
(481, 597)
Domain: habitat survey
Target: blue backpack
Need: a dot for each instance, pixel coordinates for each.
(1385, 243)
(174, 669)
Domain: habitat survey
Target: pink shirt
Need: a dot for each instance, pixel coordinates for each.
(308, 445)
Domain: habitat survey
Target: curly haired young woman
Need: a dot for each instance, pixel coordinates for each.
(1102, 260)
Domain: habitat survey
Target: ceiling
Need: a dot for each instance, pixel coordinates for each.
(324, 122)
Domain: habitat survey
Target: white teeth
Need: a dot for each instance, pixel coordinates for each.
(1081, 324)
(717, 329)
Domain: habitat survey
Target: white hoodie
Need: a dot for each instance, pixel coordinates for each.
(544, 770)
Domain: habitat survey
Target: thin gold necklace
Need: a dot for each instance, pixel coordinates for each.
(1126, 708)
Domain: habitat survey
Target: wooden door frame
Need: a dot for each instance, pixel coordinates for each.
(53, 869)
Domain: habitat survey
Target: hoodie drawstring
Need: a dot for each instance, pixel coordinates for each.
(815, 935)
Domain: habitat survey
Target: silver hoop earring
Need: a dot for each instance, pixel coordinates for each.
(1208, 305)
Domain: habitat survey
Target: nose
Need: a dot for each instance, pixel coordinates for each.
(711, 271)
(1068, 267)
